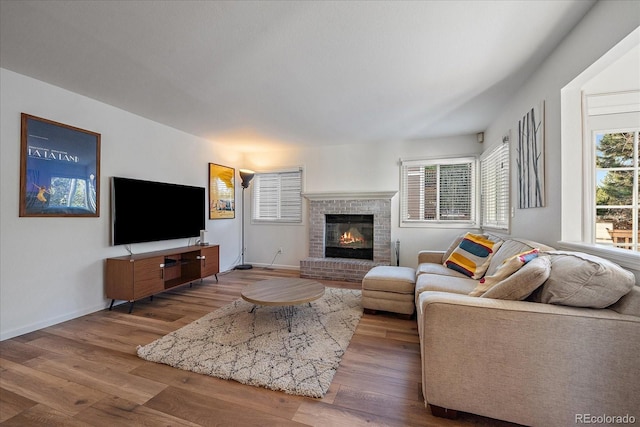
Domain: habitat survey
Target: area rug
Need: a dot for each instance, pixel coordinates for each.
(258, 349)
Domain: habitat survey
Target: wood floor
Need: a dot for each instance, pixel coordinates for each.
(85, 372)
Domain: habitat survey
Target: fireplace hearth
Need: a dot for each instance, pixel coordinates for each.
(348, 236)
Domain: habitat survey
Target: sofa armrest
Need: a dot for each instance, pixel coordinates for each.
(430, 256)
(528, 363)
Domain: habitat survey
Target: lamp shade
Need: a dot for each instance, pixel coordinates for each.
(246, 175)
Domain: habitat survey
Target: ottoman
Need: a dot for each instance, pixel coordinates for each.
(389, 288)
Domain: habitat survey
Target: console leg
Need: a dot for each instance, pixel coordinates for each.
(131, 306)
(216, 277)
(111, 305)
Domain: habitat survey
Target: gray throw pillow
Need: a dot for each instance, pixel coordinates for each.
(523, 282)
(452, 247)
(582, 280)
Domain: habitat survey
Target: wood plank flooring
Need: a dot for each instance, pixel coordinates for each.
(85, 372)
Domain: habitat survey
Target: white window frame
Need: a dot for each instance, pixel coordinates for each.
(439, 223)
(495, 192)
(574, 200)
(276, 197)
(578, 190)
(606, 113)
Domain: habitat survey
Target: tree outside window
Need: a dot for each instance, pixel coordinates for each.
(617, 188)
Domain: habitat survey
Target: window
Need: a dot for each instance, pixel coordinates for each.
(603, 99)
(612, 162)
(277, 197)
(614, 157)
(438, 191)
(494, 183)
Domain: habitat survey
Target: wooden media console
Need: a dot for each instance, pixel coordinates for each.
(138, 276)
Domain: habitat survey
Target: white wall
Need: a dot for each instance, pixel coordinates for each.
(51, 269)
(350, 168)
(586, 43)
(374, 168)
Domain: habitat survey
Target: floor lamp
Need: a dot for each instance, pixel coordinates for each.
(246, 175)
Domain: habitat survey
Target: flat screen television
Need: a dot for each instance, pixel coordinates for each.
(148, 211)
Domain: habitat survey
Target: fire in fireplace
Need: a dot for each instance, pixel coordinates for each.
(348, 236)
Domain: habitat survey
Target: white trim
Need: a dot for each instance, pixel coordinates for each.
(573, 107)
(624, 257)
(344, 195)
(51, 321)
(613, 103)
(439, 161)
(440, 225)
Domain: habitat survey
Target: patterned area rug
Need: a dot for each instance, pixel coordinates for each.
(257, 348)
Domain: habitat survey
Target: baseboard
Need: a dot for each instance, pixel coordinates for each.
(276, 266)
(5, 335)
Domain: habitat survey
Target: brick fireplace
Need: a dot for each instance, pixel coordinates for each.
(377, 204)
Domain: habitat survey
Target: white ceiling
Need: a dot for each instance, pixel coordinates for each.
(291, 72)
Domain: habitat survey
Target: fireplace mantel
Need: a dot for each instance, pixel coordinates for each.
(350, 195)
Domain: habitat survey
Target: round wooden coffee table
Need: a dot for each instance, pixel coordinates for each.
(283, 292)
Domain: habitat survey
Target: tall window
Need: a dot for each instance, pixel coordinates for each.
(494, 170)
(277, 197)
(617, 173)
(438, 191)
(603, 99)
(612, 164)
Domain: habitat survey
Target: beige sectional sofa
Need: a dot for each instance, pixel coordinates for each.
(525, 361)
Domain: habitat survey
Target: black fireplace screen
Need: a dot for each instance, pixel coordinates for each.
(348, 236)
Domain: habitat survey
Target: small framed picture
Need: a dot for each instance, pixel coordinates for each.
(222, 201)
(59, 169)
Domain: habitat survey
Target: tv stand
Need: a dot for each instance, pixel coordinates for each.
(133, 277)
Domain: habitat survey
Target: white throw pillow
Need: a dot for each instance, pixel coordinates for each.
(506, 269)
(523, 282)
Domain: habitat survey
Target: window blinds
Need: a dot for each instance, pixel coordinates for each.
(494, 166)
(441, 190)
(277, 197)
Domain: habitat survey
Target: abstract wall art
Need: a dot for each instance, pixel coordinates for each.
(530, 159)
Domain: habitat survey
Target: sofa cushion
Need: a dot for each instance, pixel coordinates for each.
(507, 268)
(629, 304)
(435, 282)
(430, 268)
(523, 282)
(473, 254)
(582, 280)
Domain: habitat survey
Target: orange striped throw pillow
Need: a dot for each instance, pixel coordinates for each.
(473, 255)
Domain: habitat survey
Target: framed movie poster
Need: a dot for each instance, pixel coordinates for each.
(59, 169)
(222, 201)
